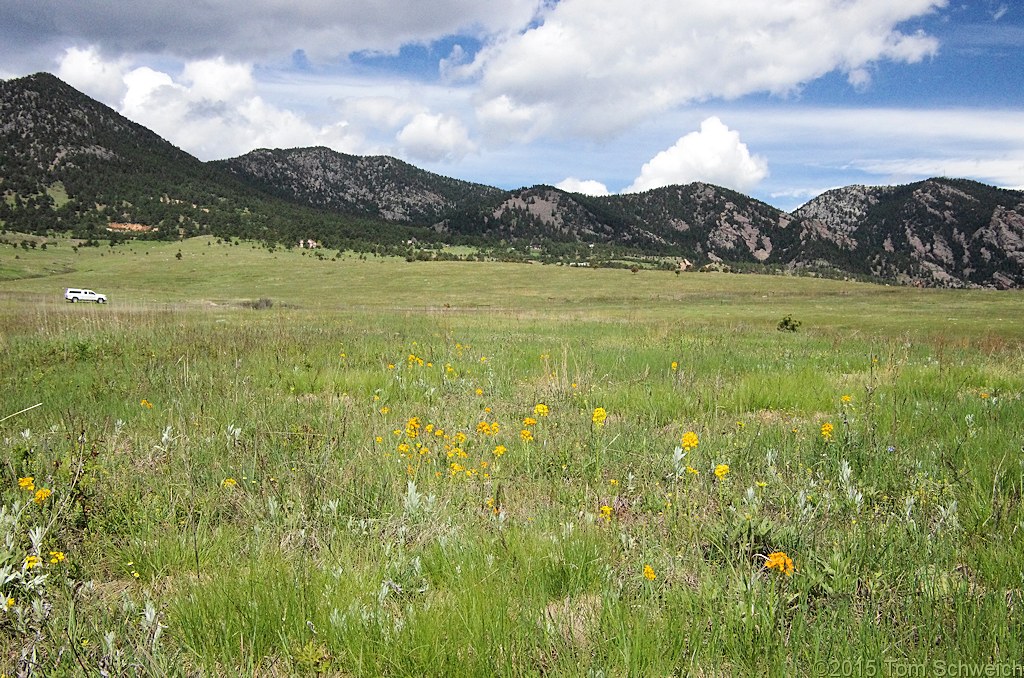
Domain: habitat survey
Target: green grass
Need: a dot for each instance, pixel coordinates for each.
(252, 475)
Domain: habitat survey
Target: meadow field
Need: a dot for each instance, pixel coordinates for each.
(274, 464)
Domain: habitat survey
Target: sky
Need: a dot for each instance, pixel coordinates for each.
(780, 100)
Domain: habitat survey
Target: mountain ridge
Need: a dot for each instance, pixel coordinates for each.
(70, 163)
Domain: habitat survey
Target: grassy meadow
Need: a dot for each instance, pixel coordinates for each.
(463, 468)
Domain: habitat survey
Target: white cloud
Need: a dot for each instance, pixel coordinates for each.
(503, 120)
(211, 109)
(1006, 171)
(593, 67)
(388, 112)
(584, 186)
(882, 145)
(859, 79)
(434, 138)
(87, 71)
(714, 155)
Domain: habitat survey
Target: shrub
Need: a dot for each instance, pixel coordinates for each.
(787, 324)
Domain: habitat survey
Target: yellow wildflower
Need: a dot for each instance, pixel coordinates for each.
(499, 450)
(649, 574)
(145, 403)
(529, 421)
(27, 483)
(781, 562)
(33, 561)
(846, 398)
(599, 416)
(526, 435)
(689, 441)
(692, 471)
(42, 494)
(479, 391)
(56, 556)
(675, 365)
(721, 471)
(606, 513)
(826, 431)
(229, 482)
(540, 409)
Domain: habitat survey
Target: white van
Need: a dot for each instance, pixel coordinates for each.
(74, 294)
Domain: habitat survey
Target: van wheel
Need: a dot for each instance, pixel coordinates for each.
(74, 300)
(100, 301)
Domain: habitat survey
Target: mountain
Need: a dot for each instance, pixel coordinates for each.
(70, 163)
(60, 146)
(376, 186)
(939, 232)
(944, 232)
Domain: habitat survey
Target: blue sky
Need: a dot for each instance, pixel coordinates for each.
(780, 100)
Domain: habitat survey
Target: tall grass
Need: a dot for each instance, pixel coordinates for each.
(318, 488)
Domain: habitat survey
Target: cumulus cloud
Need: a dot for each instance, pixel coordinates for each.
(90, 73)
(211, 109)
(596, 66)
(434, 137)
(584, 186)
(714, 155)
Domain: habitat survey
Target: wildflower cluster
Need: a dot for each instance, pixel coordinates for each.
(28, 484)
(781, 562)
(689, 441)
(424, 445)
(31, 561)
(826, 431)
